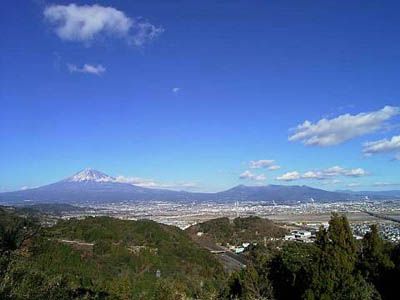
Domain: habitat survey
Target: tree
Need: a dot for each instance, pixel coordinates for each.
(375, 263)
(290, 271)
(333, 274)
(249, 284)
(169, 290)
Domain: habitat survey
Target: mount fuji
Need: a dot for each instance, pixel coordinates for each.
(90, 175)
(90, 185)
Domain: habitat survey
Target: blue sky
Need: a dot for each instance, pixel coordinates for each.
(201, 95)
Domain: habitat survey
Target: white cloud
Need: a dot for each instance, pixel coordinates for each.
(88, 69)
(274, 167)
(87, 22)
(27, 187)
(144, 32)
(150, 183)
(353, 184)
(264, 163)
(289, 176)
(176, 90)
(329, 132)
(382, 146)
(323, 174)
(333, 171)
(386, 184)
(359, 172)
(249, 175)
(339, 171)
(312, 175)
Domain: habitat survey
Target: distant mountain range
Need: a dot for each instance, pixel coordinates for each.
(94, 186)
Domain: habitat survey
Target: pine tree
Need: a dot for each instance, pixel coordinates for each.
(375, 263)
(333, 275)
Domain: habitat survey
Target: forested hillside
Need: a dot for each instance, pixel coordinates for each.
(336, 266)
(238, 230)
(106, 258)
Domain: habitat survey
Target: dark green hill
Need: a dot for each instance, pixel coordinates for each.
(15, 227)
(106, 258)
(237, 231)
(109, 258)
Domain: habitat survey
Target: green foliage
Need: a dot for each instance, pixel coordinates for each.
(169, 290)
(333, 275)
(375, 263)
(22, 283)
(291, 270)
(106, 258)
(391, 279)
(248, 284)
(374, 254)
(334, 267)
(14, 229)
(239, 230)
(113, 258)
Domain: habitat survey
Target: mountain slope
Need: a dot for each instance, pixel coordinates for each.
(91, 185)
(281, 193)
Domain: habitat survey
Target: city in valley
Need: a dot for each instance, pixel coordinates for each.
(309, 216)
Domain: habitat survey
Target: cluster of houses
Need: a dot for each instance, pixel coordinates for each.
(388, 231)
(304, 236)
(308, 233)
(240, 248)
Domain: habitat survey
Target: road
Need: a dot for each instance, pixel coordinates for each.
(230, 260)
(379, 216)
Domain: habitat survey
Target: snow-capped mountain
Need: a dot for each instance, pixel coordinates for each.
(90, 175)
(93, 186)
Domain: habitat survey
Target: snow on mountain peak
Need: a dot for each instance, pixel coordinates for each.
(91, 175)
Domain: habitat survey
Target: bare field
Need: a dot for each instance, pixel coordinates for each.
(322, 217)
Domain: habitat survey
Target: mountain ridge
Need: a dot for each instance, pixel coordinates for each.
(90, 185)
